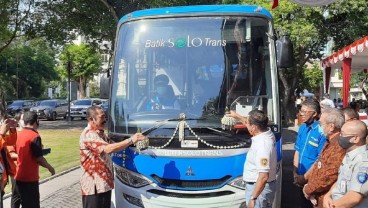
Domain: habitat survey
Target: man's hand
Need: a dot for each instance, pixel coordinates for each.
(305, 194)
(299, 180)
(313, 200)
(4, 128)
(138, 137)
(327, 201)
(251, 204)
(51, 170)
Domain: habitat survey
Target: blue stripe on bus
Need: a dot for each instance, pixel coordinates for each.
(182, 10)
(177, 168)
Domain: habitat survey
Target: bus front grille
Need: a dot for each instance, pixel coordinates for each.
(190, 196)
(193, 184)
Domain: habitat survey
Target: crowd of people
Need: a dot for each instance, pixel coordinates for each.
(21, 155)
(330, 159)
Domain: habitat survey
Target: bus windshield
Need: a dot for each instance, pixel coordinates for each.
(169, 67)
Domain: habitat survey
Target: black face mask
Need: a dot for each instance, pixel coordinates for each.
(310, 120)
(344, 142)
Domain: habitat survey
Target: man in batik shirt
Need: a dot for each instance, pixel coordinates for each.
(324, 171)
(97, 179)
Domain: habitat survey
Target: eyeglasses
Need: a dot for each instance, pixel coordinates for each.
(304, 112)
(350, 119)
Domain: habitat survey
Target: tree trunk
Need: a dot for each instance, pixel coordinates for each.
(82, 88)
(285, 99)
(289, 84)
(361, 85)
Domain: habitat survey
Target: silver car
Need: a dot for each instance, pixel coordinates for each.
(51, 109)
(79, 107)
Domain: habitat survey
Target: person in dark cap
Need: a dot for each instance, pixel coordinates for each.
(164, 96)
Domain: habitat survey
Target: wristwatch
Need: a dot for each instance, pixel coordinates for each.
(253, 198)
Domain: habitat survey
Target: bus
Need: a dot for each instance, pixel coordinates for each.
(205, 60)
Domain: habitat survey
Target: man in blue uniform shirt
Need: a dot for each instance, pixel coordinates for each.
(308, 145)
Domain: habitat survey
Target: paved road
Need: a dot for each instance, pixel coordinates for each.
(63, 190)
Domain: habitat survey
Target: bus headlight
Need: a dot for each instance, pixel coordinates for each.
(238, 183)
(131, 178)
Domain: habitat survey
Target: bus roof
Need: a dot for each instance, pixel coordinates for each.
(199, 9)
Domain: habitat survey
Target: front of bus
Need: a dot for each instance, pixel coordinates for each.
(176, 73)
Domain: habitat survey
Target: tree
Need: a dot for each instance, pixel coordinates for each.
(312, 78)
(84, 60)
(14, 21)
(95, 20)
(26, 68)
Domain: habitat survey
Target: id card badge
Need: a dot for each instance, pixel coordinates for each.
(343, 186)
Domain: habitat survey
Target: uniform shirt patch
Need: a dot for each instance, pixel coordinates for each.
(314, 139)
(264, 161)
(313, 144)
(362, 177)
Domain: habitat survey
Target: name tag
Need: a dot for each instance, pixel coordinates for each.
(313, 144)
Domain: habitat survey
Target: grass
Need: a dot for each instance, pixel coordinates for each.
(64, 144)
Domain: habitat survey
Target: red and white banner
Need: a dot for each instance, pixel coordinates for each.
(347, 52)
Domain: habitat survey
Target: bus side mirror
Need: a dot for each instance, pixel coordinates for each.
(284, 52)
(105, 87)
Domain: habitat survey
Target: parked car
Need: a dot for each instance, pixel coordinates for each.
(51, 109)
(19, 105)
(79, 107)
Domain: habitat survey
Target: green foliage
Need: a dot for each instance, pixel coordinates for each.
(84, 61)
(312, 78)
(26, 67)
(347, 21)
(94, 90)
(357, 78)
(95, 20)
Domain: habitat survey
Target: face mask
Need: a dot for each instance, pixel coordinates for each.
(161, 90)
(344, 142)
(310, 120)
(321, 130)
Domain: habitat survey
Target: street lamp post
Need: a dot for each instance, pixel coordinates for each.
(69, 88)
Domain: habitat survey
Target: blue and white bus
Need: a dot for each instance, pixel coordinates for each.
(215, 58)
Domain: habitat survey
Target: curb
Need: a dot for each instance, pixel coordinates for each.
(48, 179)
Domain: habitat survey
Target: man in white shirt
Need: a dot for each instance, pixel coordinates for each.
(260, 166)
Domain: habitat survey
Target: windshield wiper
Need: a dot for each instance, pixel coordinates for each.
(163, 122)
(218, 132)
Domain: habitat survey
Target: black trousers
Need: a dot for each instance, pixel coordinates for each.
(304, 203)
(26, 194)
(98, 200)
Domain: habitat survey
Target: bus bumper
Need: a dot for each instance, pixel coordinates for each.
(129, 197)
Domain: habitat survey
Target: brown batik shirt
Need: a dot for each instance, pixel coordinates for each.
(324, 171)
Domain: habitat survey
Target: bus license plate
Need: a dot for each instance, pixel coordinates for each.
(189, 143)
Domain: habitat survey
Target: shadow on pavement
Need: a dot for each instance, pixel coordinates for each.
(290, 193)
